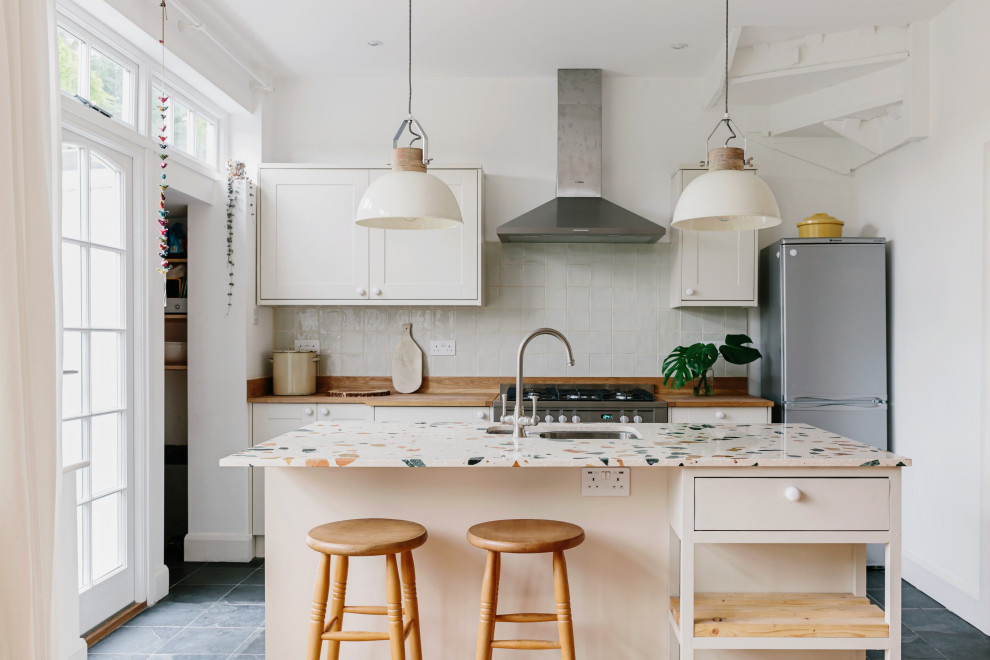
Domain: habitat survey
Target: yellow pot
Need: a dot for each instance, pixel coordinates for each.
(820, 225)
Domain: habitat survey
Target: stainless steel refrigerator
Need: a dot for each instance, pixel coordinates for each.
(823, 322)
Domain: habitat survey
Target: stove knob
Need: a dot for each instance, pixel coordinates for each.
(623, 419)
(562, 419)
(548, 419)
(637, 419)
(576, 419)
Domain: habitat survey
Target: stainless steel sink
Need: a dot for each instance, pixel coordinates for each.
(588, 435)
(499, 430)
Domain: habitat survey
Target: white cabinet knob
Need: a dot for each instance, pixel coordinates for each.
(793, 253)
(325, 412)
(361, 292)
(576, 419)
(792, 493)
(623, 419)
(720, 415)
(308, 412)
(480, 414)
(376, 291)
(548, 419)
(562, 419)
(689, 292)
(637, 419)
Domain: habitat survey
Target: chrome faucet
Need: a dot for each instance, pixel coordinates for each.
(518, 421)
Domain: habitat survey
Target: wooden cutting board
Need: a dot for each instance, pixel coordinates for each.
(407, 364)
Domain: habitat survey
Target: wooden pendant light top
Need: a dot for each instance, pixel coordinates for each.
(726, 158)
(407, 159)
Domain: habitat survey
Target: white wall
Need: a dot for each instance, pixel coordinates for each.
(928, 199)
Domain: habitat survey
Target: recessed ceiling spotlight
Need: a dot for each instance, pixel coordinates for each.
(680, 45)
(374, 42)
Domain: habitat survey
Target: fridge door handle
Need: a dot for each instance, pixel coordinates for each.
(859, 403)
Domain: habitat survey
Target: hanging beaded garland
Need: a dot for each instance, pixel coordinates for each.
(236, 171)
(163, 145)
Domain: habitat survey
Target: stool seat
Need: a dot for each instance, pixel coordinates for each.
(366, 537)
(525, 535)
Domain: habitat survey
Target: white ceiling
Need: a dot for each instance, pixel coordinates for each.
(525, 38)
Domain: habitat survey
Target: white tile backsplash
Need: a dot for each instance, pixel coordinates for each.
(610, 300)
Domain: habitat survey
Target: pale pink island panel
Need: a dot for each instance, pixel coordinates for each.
(467, 444)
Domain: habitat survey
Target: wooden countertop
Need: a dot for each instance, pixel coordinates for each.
(482, 391)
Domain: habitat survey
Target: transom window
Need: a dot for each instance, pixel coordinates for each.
(188, 128)
(97, 78)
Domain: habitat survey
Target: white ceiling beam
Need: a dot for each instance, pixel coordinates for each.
(875, 90)
(715, 76)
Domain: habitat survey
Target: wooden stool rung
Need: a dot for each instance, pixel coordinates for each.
(355, 636)
(525, 617)
(378, 610)
(328, 626)
(525, 644)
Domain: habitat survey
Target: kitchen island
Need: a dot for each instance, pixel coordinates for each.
(710, 511)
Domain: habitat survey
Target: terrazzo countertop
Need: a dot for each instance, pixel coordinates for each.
(463, 444)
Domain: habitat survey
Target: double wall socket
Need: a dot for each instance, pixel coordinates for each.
(605, 482)
(308, 345)
(442, 347)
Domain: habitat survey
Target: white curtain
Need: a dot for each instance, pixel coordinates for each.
(28, 330)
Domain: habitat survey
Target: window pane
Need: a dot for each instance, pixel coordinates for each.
(72, 285)
(71, 192)
(72, 448)
(69, 49)
(181, 131)
(206, 136)
(104, 289)
(105, 202)
(81, 544)
(72, 403)
(106, 535)
(105, 367)
(105, 452)
(109, 84)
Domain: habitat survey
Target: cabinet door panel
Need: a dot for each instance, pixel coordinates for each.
(440, 264)
(310, 247)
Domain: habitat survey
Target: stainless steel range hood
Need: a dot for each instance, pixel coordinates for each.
(579, 213)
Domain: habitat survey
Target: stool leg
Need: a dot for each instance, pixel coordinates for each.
(411, 605)
(314, 641)
(489, 606)
(337, 596)
(562, 592)
(393, 593)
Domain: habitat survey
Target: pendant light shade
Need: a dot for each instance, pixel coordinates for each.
(726, 200)
(408, 200)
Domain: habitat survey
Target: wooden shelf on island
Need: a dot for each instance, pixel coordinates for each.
(181, 260)
(784, 615)
(176, 317)
(176, 367)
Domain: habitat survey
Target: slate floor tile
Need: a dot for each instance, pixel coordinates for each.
(943, 621)
(254, 645)
(177, 572)
(212, 574)
(197, 593)
(256, 578)
(206, 640)
(960, 644)
(912, 598)
(245, 594)
(226, 615)
(168, 613)
(135, 640)
(118, 656)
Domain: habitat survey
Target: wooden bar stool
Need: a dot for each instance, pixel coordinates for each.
(365, 537)
(525, 536)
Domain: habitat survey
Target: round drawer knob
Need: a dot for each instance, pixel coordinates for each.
(480, 414)
(720, 415)
(689, 292)
(376, 291)
(325, 412)
(792, 493)
(308, 412)
(361, 292)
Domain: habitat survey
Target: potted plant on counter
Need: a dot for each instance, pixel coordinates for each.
(695, 362)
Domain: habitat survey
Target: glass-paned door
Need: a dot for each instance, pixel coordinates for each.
(97, 374)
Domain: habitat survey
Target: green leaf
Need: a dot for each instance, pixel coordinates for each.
(735, 351)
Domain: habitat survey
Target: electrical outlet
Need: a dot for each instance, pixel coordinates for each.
(442, 347)
(308, 345)
(605, 482)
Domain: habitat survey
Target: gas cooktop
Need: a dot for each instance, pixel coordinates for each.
(578, 393)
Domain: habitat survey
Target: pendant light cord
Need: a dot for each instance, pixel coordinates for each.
(409, 71)
(726, 56)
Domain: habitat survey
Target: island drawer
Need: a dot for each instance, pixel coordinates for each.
(719, 415)
(792, 504)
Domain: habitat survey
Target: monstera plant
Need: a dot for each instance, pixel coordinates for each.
(695, 362)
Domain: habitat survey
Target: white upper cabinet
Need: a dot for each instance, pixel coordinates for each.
(308, 245)
(431, 265)
(711, 268)
(311, 252)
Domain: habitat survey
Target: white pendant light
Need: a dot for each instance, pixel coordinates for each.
(409, 197)
(727, 198)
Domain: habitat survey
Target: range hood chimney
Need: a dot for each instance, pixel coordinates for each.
(579, 213)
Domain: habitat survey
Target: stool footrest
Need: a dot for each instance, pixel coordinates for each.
(525, 644)
(355, 636)
(379, 610)
(525, 617)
